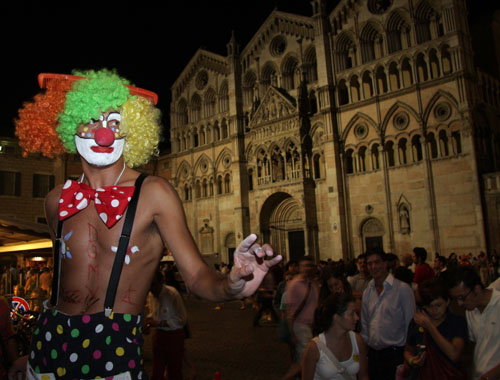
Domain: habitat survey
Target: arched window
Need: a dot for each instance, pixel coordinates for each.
(249, 82)
(446, 59)
(195, 108)
(195, 138)
(182, 113)
(317, 166)
(197, 189)
(292, 162)
(278, 165)
(398, 33)
(457, 142)
(355, 95)
(219, 185)
(443, 144)
(224, 98)
(263, 168)
(209, 103)
(202, 136)
(204, 189)
(362, 159)
(371, 43)
(310, 65)
(381, 80)
(416, 147)
(428, 23)
(211, 187)
(216, 131)
(402, 152)
(313, 103)
(349, 161)
(227, 184)
(421, 68)
(187, 192)
(407, 73)
(291, 79)
(389, 153)
(224, 129)
(434, 64)
(208, 134)
(343, 93)
(432, 145)
(367, 85)
(269, 76)
(394, 76)
(375, 157)
(345, 52)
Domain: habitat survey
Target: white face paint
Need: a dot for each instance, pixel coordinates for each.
(99, 155)
(96, 149)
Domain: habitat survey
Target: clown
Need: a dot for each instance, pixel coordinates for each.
(91, 326)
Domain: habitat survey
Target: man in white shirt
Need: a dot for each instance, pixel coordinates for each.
(168, 317)
(482, 310)
(388, 306)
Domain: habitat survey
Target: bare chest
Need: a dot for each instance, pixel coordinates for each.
(88, 250)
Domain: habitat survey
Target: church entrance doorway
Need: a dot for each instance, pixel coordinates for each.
(296, 245)
(372, 231)
(282, 225)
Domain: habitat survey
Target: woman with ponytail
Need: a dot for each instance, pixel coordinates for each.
(338, 353)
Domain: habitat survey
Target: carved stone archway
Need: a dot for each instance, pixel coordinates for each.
(282, 224)
(372, 232)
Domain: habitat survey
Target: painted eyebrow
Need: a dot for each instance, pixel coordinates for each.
(114, 116)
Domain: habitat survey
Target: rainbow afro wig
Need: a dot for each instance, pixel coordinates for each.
(48, 124)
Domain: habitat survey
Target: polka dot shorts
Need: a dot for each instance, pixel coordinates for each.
(86, 347)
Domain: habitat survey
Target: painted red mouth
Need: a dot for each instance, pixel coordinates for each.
(102, 149)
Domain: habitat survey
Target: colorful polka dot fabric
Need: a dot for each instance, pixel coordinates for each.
(110, 201)
(86, 347)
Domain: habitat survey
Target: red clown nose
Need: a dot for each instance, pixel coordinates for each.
(104, 137)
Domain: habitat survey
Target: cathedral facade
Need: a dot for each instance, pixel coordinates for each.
(367, 126)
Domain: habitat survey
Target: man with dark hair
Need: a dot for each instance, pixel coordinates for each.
(403, 272)
(360, 281)
(422, 270)
(388, 306)
(440, 266)
(482, 310)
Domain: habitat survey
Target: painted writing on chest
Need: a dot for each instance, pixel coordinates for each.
(92, 247)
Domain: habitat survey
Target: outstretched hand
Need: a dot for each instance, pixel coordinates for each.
(251, 264)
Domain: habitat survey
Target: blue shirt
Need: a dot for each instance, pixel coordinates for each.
(385, 317)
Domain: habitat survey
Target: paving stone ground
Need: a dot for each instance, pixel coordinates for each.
(224, 340)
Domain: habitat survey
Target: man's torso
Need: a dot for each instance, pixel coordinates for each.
(88, 249)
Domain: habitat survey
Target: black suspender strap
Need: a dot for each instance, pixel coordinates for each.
(122, 248)
(57, 265)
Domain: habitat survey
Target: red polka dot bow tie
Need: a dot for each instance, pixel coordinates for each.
(110, 201)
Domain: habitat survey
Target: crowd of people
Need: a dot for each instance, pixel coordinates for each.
(376, 317)
(381, 316)
(33, 283)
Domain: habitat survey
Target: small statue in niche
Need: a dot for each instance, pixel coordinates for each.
(404, 220)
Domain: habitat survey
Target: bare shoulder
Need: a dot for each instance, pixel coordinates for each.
(161, 195)
(52, 206)
(360, 342)
(312, 351)
(158, 185)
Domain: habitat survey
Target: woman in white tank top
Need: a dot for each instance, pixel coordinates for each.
(338, 353)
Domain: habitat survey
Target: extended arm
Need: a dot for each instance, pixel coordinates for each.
(250, 266)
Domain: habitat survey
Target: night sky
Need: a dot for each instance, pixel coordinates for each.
(150, 46)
